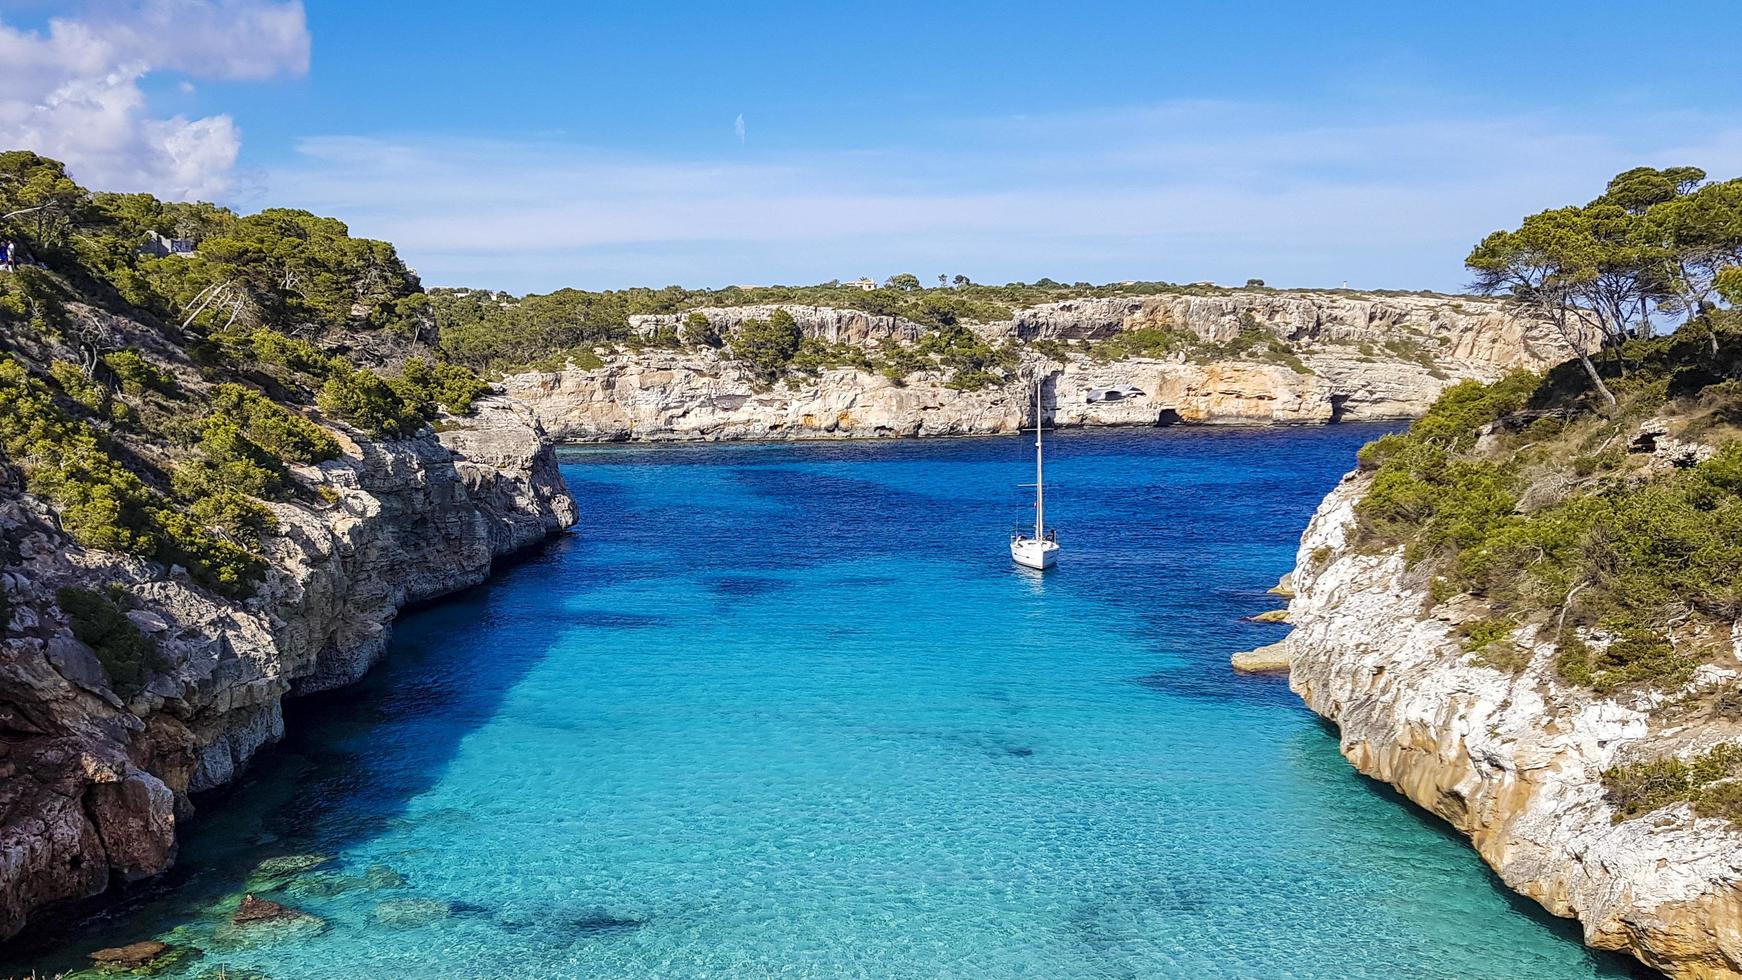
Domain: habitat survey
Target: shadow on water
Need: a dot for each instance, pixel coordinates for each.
(305, 795)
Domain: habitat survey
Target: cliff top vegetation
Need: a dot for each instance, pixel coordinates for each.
(1600, 504)
(165, 366)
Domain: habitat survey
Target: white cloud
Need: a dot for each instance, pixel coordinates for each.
(71, 91)
(1181, 191)
(738, 127)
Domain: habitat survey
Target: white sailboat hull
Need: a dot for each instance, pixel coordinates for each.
(1030, 553)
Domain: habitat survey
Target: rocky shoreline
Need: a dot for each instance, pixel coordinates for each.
(1336, 358)
(96, 785)
(1514, 761)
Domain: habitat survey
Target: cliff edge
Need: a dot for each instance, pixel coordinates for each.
(1243, 357)
(95, 784)
(1523, 614)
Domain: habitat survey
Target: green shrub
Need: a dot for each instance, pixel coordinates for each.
(422, 386)
(1709, 782)
(287, 436)
(1143, 342)
(127, 655)
(273, 348)
(362, 398)
(139, 375)
(234, 514)
(699, 331)
(229, 460)
(587, 359)
(76, 385)
(102, 503)
(816, 355)
(766, 346)
(1636, 655)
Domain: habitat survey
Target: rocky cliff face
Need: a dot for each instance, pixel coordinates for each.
(1356, 358)
(92, 787)
(1514, 761)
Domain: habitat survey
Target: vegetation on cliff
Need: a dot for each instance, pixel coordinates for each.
(493, 331)
(1601, 504)
(165, 368)
(1655, 242)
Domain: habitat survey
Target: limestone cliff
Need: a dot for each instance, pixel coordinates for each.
(1515, 761)
(1348, 358)
(92, 786)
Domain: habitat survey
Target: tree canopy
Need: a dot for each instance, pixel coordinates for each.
(1657, 244)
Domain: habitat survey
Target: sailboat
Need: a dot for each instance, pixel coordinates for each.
(1042, 550)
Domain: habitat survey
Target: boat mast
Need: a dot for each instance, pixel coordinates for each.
(1039, 478)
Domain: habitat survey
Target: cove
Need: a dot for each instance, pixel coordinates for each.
(787, 709)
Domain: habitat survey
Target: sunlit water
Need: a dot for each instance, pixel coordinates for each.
(788, 710)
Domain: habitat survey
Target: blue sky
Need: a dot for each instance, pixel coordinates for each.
(598, 145)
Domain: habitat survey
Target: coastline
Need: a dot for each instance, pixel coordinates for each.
(415, 522)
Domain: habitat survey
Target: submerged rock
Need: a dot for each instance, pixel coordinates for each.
(324, 884)
(381, 877)
(409, 913)
(254, 910)
(146, 958)
(261, 922)
(274, 873)
(600, 924)
(131, 956)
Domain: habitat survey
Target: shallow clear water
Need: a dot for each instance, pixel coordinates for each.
(789, 710)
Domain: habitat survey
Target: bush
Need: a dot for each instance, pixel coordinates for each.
(230, 460)
(100, 502)
(76, 385)
(1709, 782)
(127, 655)
(765, 346)
(816, 355)
(287, 436)
(422, 386)
(139, 375)
(1144, 342)
(699, 331)
(235, 514)
(362, 398)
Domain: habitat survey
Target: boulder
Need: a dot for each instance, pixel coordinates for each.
(132, 956)
(1269, 659)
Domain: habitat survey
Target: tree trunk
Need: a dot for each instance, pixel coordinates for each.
(1585, 362)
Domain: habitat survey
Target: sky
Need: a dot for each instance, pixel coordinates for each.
(532, 146)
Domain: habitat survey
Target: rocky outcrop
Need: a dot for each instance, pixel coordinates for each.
(1344, 358)
(1514, 761)
(837, 326)
(93, 785)
(680, 395)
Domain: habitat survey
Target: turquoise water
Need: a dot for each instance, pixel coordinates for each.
(789, 711)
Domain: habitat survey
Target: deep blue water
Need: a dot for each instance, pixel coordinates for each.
(789, 710)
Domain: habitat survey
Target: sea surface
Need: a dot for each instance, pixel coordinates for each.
(789, 711)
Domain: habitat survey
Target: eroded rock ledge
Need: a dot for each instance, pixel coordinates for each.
(92, 787)
(1515, 761)
(1357, 358)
